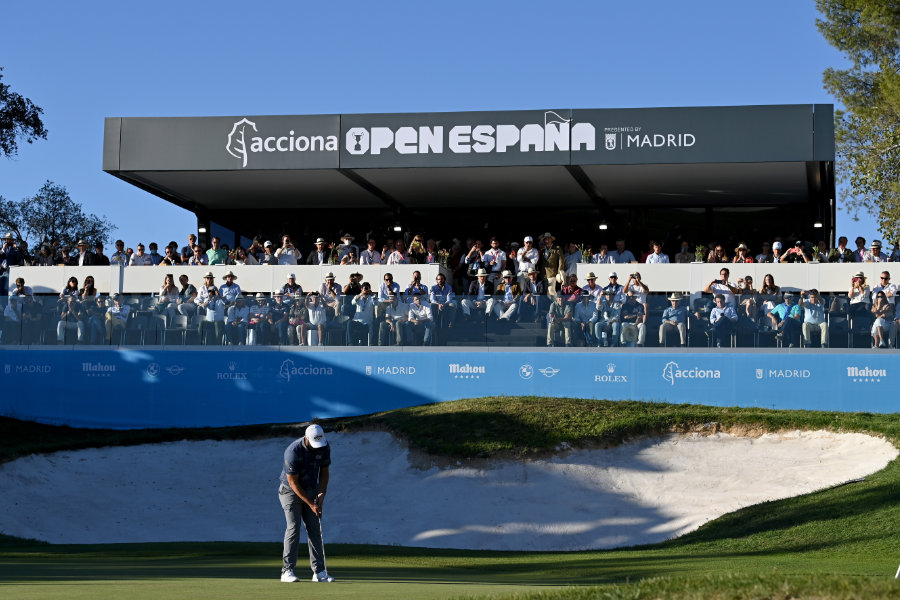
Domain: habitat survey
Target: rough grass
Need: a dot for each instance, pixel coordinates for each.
(838, 543)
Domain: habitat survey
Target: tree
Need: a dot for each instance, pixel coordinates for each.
(52, 217)
(19, 118)
(867, 130)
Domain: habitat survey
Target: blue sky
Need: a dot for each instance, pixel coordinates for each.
(82, 62)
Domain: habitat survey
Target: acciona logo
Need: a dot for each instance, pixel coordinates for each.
(555, 134)
(672, 372)
(241, 142)
(289, 369)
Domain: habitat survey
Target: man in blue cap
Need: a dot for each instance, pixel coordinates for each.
(304, 481)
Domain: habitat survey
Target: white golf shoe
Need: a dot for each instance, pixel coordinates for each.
(322, 577)
(289, 577)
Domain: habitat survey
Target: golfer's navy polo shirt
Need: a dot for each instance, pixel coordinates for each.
(305, 463)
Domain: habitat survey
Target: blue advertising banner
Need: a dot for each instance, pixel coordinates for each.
(142, 388)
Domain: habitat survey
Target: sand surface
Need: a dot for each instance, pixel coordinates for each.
(642, 492)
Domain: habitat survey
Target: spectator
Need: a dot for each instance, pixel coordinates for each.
(722, 320)
(777, 254)
(795, 254)
(398, 256)
(552, 264)
(100, 259)
(766, 255)
(634, 320)
(722, 286)
(559, 320)
(657, 257)
(298, 320)
(258, 324)
(391, 328)
(742, 254)
(883, 313)
(443, 302)
(202, 294)
(718, 255)
(154, 255)
(65, 259)
(571, 292)
(186, 297)
(353, 289)
(139, 258)
(820, 252)
(674, 317)
(768, 287)
(532, 304)
(319, 256)
(527, 258)
(419, 320)
(814, 318)
(608, 327)
(85, 256)
(71, 289)
(216, 255)
(621, 255)
(841, 254)
(119, 257)
(384, 295)
(212, 327)
(237, 317)
(416, 287)
(431, 252)
(875, 254)
(291, 288)
(277, 320)
(785, 319)
(171, 257)
(269, 257)
(614, 286)
(347, 246)
(88, 292)
(585, 319)
(603, 257)
(95, 313)
(229, 291)
(592, 288)
(44, 258)
(71, 318)
(22, 290)
(198, 257)
(350, 258)
(572, 257)
(508, 293)
(859, 255)
(362, 325)
(889, 289)
(860, 294)
(370, 256)
(685, 256)
(13, 320)
(287, 254)
(494, 261)
(116, 317)
(415, 254)
(895, 254)
(479, 296)
(188, 250)
(330, 296)
(167, 300)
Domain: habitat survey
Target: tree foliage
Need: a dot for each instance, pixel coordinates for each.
(867, 131)
(19, 118)
(52, 217)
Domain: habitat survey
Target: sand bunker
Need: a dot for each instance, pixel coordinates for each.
(638, 493)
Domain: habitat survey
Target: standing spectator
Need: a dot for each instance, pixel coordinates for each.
(674, 317)
(527, 258)
(572, 257)
(722, 320)
(685, 256)
(216, 255)
(65, 259)
(398, 256)
(820, 252)
(656, 257)
(813, 318)
(415, 254)
(85, 256)
(100, 259)
(621, 255)
(895, 253)
(431, 252)
(189, 249)
(552, 264)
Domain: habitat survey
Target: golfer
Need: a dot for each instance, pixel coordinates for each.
(304, 480)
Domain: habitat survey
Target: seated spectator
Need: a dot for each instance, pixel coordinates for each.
(350, 290)
(88, 291)
(814, 322)
(841, 254)
(277, 320)
(603, 257)
(585, 319)
(229, 291)
(415, 287)
(119, 257)
(45, 257)
(390, 331)
(875, 254)
(722, 321)
(616, 288)
(768, 287)
(347, 247)
(171, 257)
(140, 258)
(32, 321)
(742, 254)
(570, 291)
(384, 296)
(722, 286)
(236, 320)
(71, 289)
(21, 289)
(64, 259)
(370, 256)
(198, 257)
(749, 303)
(608, 327)
(95, 312)
(532, 306)
(559, 321)
(212, 326)
(592, 288)
(674, 318)
(795, 254)
(419, 321)
(640, 289)
(859, 255)
(657, 257)
(330, 296)
(362, 326)
(431, 252)
(889, 289)
(718, 255)
(167, 300)
(620, 255)
(298, 320)
(443, 302)
(883, 313)
(508, 294)
(398, 256)
(766, 255)
(291, 288)
(116, 317)
(350, 258)
(216, 255)
(186, 297)
(85, 256)
(479, 298)
(319, 255)
(155, 257)
(860, 295)
(268, 257)
(634, 320)
(785, 320)
(777, 254)
(415, 254)
(895, 253)
(287, 254)
(258, 323)
(71, 319)
(685, 256)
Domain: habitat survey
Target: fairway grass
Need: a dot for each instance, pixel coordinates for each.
(839, 543)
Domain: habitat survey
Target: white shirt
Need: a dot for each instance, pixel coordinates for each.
(419, 313)
(602, 259)
(495, 260)
(142, 260)
(288, 256)
(890, 290)
(370, 257)
(527, 259)
(657, 259)
(396, 258)
(365, 309)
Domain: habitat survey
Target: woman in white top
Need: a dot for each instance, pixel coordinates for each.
(859, 289)
(168, 296)
(397, 257)
(88, 291)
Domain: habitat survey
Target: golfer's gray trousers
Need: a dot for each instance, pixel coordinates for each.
(296, 509)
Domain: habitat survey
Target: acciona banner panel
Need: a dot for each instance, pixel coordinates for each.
(551, 136)
(152, 387)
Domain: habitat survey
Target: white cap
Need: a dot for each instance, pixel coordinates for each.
(315, 436)
(267, 244)
(776, 246)
(528, 238)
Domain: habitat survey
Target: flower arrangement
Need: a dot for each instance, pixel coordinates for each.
(334, 252)
(443, 257)
(699, 253)
(585, 253)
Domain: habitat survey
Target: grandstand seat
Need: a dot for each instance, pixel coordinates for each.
(134, 330)
(177, 327)
(154, 333)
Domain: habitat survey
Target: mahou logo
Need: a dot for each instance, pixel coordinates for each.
(241, 142)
